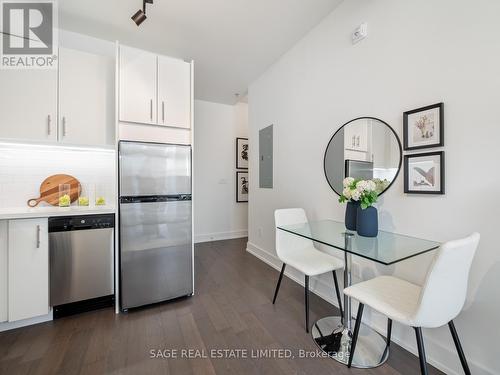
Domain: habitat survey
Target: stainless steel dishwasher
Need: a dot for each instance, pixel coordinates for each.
(81, 252)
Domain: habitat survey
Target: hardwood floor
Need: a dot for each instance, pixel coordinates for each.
(231, 309)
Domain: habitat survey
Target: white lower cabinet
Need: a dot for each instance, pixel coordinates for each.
(4, 312)
(28, 268)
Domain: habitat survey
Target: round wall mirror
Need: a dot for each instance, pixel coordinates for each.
(364, 148)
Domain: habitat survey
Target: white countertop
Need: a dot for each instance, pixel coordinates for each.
(49, 211)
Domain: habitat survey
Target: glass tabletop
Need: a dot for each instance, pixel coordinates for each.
(387, 248)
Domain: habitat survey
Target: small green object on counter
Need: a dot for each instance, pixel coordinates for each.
(64, 200)
(83, 201)
(100, 201)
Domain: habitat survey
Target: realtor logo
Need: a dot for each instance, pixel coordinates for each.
(29, 34)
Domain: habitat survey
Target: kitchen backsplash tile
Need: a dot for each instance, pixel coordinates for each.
(23, 167)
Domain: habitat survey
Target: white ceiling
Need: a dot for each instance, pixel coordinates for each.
(231, 41)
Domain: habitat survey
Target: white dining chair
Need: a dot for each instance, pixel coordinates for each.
(301, 254)
(432, 305)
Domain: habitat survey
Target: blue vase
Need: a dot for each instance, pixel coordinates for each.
(351, 212)
(367, 222)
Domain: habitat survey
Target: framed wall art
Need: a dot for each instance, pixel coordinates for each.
(241, 186)
(424, 173)
(241, 153)
(424, 127)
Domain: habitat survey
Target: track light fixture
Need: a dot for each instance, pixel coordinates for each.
(140, 16)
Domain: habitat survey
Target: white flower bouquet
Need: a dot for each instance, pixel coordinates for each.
(362, 191)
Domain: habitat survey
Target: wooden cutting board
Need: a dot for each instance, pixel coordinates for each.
(49, 190)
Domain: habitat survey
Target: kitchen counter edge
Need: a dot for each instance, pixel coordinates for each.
(27, 213)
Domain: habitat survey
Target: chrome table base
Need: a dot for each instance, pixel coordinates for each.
(334, 336)
(335, 340)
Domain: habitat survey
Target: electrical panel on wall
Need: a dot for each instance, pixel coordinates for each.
(266, 157)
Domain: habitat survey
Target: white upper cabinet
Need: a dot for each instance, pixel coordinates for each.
(138, 88)
(174, 92)
(86, 98)
(154, 90)
(28, 104)
(356, 136)
(28, 269)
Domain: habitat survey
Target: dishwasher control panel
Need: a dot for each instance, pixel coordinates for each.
(81, 222)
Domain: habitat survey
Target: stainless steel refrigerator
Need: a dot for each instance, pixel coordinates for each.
(156, 250)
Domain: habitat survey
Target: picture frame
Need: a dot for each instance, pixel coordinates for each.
(424, 127)
(242, 186)
(424, 173)
(241, 153)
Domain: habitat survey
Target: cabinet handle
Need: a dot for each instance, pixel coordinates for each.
(353, 140)
(357, 141)
(163, 111)
(64, 126)
(49, 121)
(38, 236)
(151, 109)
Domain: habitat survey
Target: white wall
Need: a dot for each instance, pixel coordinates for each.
(417, 53)
(86, 43)
(216, 213)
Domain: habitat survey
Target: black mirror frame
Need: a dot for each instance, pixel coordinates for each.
(393, 132)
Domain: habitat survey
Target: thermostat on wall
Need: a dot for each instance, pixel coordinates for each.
(360, 33)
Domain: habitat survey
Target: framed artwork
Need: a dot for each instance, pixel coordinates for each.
(424, 127)
(424, 173)
(241, 153)
(241, 186)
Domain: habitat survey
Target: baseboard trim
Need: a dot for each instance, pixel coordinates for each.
(375, 320)
(6, 326)
(199, 238)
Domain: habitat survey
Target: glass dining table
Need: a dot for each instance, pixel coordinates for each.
(333, 334)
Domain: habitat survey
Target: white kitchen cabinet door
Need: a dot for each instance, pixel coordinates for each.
(362, 136)
(174, 92)
(86, 98)
(356, 136)
(3, 272)
(138, 77)
(28, 104)
(28, 289)
(349, 137)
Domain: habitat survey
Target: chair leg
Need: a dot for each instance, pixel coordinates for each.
(460, 351)
(421, 350)
(337, 292)
(279, 283)
(306, 291)
(355, 334)
(389, 332)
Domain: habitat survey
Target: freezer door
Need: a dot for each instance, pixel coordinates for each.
(156, 252)
(154, 169)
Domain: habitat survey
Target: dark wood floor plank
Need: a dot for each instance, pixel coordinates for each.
(194, 342)
(232, 317)
(217, 318)
(174, 340)
(231, 309)
(51, 361)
